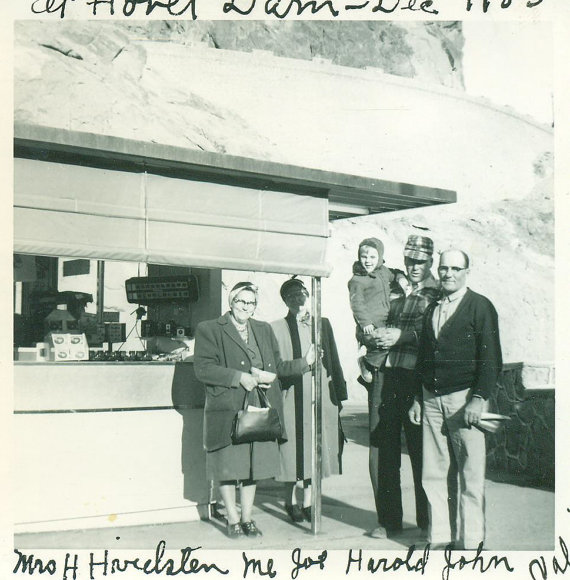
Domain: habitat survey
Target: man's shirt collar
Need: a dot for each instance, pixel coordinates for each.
(454, 295)
(429, 282)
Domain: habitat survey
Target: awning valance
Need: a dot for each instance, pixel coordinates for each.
(100, 196)
(71, 210)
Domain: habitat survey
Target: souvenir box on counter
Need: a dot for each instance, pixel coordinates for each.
(65, 347)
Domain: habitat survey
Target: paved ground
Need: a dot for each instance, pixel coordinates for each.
(518, 517)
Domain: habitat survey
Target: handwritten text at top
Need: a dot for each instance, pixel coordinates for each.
(280, 9)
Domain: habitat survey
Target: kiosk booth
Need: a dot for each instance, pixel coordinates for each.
(107, 436)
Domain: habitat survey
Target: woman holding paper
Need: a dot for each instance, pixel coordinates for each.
(233, 355)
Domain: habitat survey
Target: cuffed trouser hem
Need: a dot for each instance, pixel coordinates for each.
(439, 541)
(471, 544)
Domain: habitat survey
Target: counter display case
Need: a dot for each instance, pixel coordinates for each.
(108, 444)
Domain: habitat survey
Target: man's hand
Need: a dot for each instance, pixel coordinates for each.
(368, 329)
(389, 337)
(473, 411)
(415, 413)
(247, 381)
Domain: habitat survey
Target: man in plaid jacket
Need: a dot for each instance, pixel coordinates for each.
(405, 320)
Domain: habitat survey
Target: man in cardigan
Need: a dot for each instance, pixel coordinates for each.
(405, 325)
(459, 361)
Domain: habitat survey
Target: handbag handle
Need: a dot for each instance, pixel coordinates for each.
(263, 400)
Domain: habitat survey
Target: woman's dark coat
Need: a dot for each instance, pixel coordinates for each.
(220, 356)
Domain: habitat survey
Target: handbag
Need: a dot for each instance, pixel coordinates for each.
(256, 423)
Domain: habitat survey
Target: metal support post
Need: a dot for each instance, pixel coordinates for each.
(101, 296)
(316, 423)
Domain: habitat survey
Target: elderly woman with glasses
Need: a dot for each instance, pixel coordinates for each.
(229, 352)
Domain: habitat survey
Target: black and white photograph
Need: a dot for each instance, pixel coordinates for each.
(283, 291)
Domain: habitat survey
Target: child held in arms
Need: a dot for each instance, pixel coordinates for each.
(371, 287)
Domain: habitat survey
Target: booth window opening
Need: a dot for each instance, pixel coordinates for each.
(74, 309)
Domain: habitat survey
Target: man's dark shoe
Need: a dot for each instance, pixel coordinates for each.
(307, 513)
(394, 532)
(379, 533)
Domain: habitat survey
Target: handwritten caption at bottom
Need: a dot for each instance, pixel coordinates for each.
(101, 564)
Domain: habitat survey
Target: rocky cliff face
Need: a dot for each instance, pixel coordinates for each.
(427, 51)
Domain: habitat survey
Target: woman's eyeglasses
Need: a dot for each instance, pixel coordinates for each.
(245, 303)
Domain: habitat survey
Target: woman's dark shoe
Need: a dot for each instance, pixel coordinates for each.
(250, 529)
(307, 513)
(294, 512)
(235, 531)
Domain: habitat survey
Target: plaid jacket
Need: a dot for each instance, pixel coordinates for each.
(406, 313)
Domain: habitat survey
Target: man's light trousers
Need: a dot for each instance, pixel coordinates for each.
(453, 471)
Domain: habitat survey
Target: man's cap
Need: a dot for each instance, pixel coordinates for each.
(291, 285)
(419, 248)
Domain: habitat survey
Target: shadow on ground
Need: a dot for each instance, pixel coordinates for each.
(355, 426)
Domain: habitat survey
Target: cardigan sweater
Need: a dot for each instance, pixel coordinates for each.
(467, 352)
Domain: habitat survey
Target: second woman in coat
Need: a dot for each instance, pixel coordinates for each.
(227, 350)
(293, 334)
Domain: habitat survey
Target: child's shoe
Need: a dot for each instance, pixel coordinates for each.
(365, 372)
(374, 359)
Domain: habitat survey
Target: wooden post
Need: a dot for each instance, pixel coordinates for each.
(317, 415)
